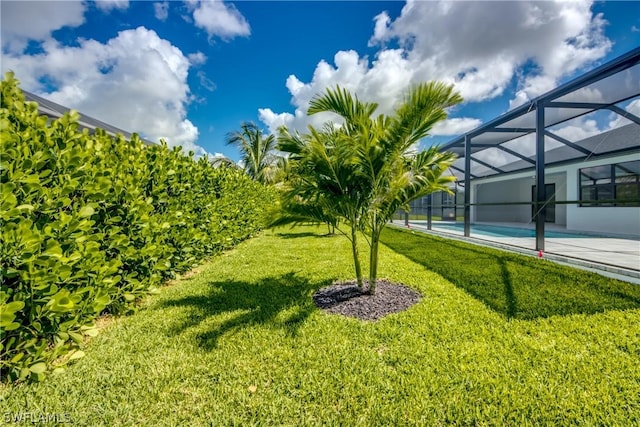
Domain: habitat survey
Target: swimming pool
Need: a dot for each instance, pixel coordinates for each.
(502, 231)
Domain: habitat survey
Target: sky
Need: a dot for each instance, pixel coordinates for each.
(192, 71)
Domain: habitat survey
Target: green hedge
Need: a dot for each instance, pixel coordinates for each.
(90, 223)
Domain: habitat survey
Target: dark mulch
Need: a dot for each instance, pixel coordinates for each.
(345, 298)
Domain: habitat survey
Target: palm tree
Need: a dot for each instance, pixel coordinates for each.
(256, 151)
(281, 171)
(366, 169)
(226, 162)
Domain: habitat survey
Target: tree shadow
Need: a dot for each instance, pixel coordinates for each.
(283, 301)
(319, 233)
(298, 235)
(511, 284)
(510, 297)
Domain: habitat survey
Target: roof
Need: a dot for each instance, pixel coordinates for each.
(55, 111)
(620, 140)
(511, 137)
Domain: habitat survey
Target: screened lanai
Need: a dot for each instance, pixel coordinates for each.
(563, 165)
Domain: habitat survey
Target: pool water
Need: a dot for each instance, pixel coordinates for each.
(503, 231)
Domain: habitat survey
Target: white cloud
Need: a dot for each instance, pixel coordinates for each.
(219, 19)
(299, 120)
(618, 120)
(578, 129)
(379, 32)
(29, 20)
(489, 45)
(494, 157)
(161, 10)
(479, 49)
(383, 82)
(135, 81)
(634, 107)
(205, 82)
(455, 126)
(109, 5)
(197, 58)
(275, 120)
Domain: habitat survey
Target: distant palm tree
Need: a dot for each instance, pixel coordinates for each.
(217, 162)
(365, 170)
(256, 152)
(281, 171)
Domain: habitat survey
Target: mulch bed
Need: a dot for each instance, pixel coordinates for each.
(345, 298)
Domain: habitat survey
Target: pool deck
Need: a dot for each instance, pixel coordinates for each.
(612, 256)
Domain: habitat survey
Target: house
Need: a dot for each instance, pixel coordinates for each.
(54, 111)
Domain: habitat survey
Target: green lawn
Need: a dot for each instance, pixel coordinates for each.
(497, 339)
(514, 285)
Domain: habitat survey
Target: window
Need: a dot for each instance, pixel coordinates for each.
(611, 185)
(448, 199)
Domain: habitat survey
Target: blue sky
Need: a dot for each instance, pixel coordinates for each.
(192, 71)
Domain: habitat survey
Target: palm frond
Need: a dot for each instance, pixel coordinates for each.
(424, 105)
(341, 102)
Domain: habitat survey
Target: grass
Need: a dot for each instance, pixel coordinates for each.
(240, 343)
(511, 284)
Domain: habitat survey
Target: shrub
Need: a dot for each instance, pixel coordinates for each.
(90, 223)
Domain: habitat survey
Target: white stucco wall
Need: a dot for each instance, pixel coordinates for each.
(508, 189)
(504, 191)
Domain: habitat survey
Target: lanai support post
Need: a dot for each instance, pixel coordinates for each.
(429, 211)
(540, 202)
(467, 185)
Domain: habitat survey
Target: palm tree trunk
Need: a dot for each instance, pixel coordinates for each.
(331, 230)
(356, 255)
(373, 260)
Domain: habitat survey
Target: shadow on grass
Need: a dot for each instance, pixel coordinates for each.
(511, 309)
(305, 234)
(297, 235)
(514, 285)
(284, 302)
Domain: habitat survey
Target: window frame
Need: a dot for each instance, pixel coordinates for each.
(610, 186)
